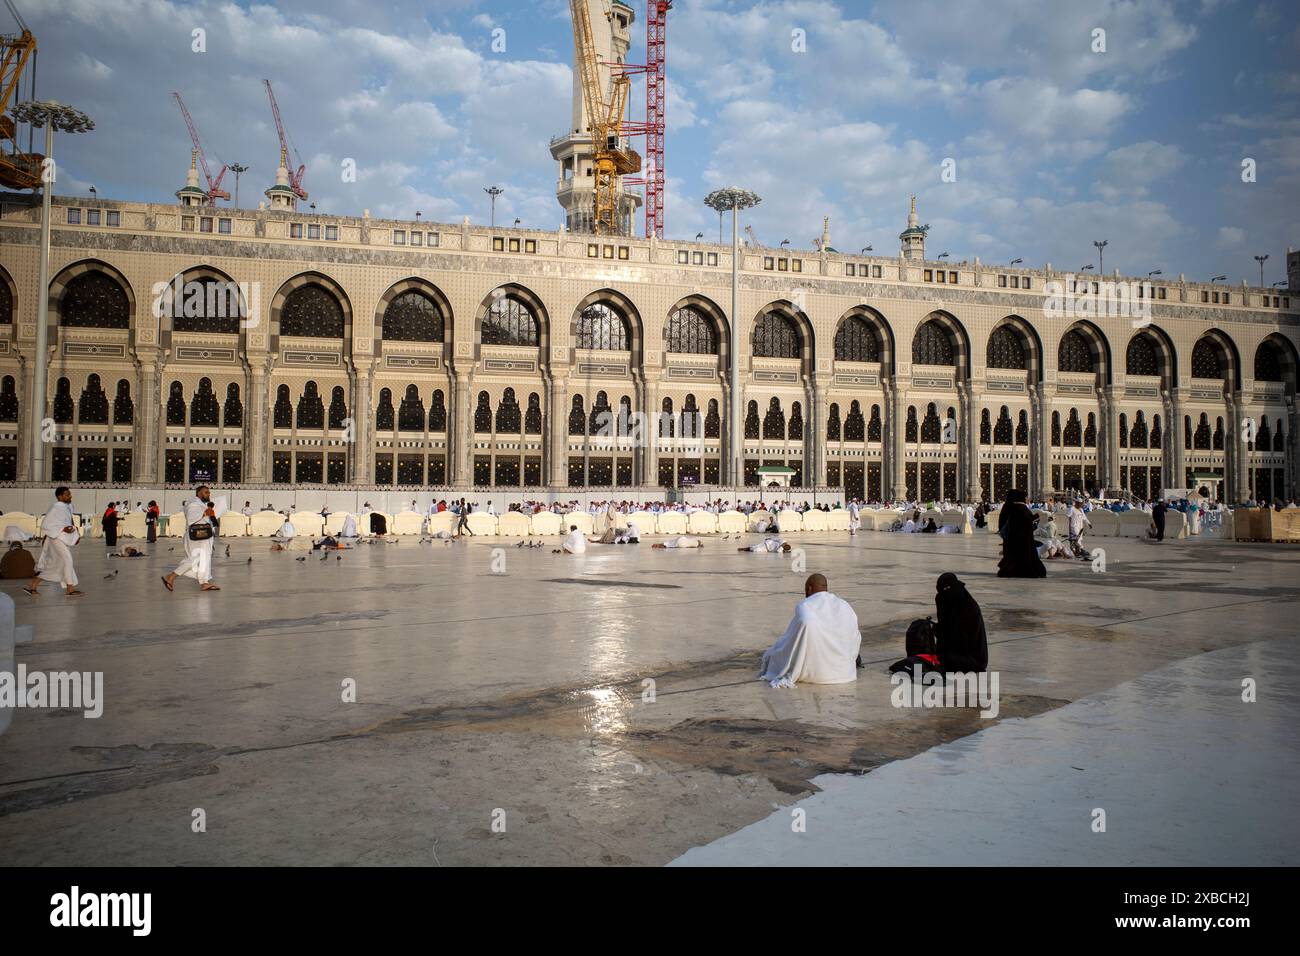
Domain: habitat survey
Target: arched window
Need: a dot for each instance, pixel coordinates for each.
(774, 420)
(666, 421)
(1123, 431)
(910, 429)
(8, 400)
(1137, 438)
(207, 305)
(384, 412)
(856, 341)
(1005, 349)
(751, 420)
(796, 421)
(1022, 428)
(93, 403)
(1187, 431)
(1279, 440)
(283, 414)
(600, 421)
(932, 345)
(855, 426)
(1218, 434)
(204, 409)
(1268, 362)
(1074, 353)
(312, 310)
(509, 418)
(601, 327)
(712, 420)
(438, 412)
(1090, 432)
(176, 404)
(6, 304)
(533, 417)
(338, 407)
(689, 330)
(1004, 433)
(1264, 436)
(413, 317)
(776, 336)
(986, 428)
(833, 423)
(1073, 435)
(94, 300)
(931, 430)
(874, 427)
(691, 423)
(1205, 361)
(410, 413)
(1142, 358)
(483, 414)
(233, 410)
(577, 417)
(509, 322)
(1056, 429)
(1156, 434)
(123, 407)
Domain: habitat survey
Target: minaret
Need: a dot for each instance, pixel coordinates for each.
(575, 190)
(192, 194)
(913, 237)
(281, 194)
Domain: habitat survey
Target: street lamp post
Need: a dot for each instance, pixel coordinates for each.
(1261, 260)
(65, 119)
(237, 168)
(1101, 259)
(721, 200)
(494, 192)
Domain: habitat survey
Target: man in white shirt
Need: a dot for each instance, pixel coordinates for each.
(200, 511)
(247, 510)
(60, 529)
(1077, 519)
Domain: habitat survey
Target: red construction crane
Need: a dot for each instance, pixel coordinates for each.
(215, 191)
(656, 89)
(295, 178)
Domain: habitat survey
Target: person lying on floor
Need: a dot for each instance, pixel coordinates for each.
(769, 546)
(681, 542)
(820, 645)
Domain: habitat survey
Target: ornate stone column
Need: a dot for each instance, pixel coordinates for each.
(1040, 441)
(557, 429)
(460, 430)
(361, 382)
(1175, 455)
(814, 431)
(257, 420)
(1292, 446)
(1108, 400)
(1236, 455)
(650, 458)
(25, 434)
(895, 425)
(968, 479)
(144, 460)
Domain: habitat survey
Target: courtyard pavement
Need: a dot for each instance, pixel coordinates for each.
(601, 709)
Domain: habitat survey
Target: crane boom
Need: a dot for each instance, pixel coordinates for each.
(18, 169)
(295, 178)
(215, 191)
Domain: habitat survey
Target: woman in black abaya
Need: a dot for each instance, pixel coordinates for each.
(959, 632)
(1019, 550)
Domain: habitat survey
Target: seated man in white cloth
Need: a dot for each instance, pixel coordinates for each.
(575, 542)
(683, 541)
(55, 563)
(13, 533)
(287, 532)
(769, 546)
(349, 527)
(821, 644)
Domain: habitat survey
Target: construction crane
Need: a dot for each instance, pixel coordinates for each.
(605, 119)
(215, 191)
(18, 169)
(749, 231)
(295, 179)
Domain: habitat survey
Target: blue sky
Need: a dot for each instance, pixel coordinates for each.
(1054, 145)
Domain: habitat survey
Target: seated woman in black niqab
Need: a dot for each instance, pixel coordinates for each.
(1019, 550)
(960, 637)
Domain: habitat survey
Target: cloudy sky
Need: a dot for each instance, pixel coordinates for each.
(1053, 144)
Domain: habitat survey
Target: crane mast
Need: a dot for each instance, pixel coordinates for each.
(215, 191)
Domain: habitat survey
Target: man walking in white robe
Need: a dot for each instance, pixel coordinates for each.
(55, 563)
(821, 644)
(197, 563)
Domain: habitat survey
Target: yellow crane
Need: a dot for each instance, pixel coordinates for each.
(605, 119)
(18, 170)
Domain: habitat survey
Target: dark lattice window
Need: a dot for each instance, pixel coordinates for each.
(577, 417)
(932, 345)
(751, 420)
(204, 409)
(910, 429)
(1268, 362)
(1090, 432)
(1137, 438)
(1142, 359)
(1056, 428)
(8, 400)
(1073, 436)
(338, 407)
(1003, 432)
(1123, 431)
(1264, 436)
(509, 416)
(1218, 434)
(413, 317)
(282, 416)
(666, 421)
(533, 417)
(624, 424)
(776, 336)
(1156, 434)
(6, 304)
(483, 414)
(410, 413)
(855, 426)
(1187, 432)
(1205, 361)
(207, 305)
(94, 403)
(833, 423)
(384, 413)
(931, 429)
(691, 424)
(856, 341)
(1279, 440)
(712, 420)
(600, 414)
(94, 300)
(1074, 354)
(1005, 349)
(1022, 429)
(874, 427)
(123, 407)
(774, 420)
(176, 404)
(233, 412)
(601, 327)
(689, 330)
(509, 322)
(63, 404)
(986, 428)
(312, 310)
(438, 412)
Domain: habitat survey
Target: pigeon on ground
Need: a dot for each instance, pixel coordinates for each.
(521, 544)
(338, 557)
(171, 549)
(250, 560)
(227, 550)
(108, 576)
(324, 557)
(302, 559)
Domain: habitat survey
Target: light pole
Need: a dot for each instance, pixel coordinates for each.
(237, 168)
(1101, 259)
(53, 116)
(1261, 260)
(494, 192)
(721, 200)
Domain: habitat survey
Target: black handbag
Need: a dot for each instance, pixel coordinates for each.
(201, 530)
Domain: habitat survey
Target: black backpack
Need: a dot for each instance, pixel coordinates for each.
(920, 637)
